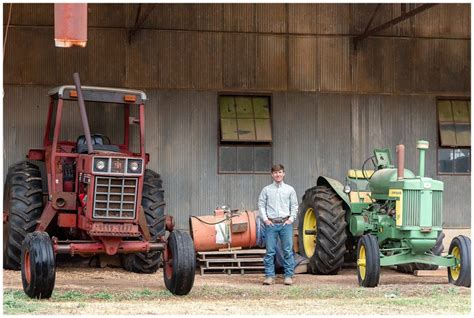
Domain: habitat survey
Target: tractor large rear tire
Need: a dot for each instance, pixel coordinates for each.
(153, 205)
(38, 267)
(23, 199)
(322, 213)
(180, 268)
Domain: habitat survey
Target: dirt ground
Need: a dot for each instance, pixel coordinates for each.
(114, 291)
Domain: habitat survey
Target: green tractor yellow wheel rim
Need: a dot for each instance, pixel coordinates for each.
(456, 270)
(361, 262)
(309, 232)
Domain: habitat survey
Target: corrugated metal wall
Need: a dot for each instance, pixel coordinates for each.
(331, 104)
(314, 134)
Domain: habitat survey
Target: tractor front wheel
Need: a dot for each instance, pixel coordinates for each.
(368, 261)
(179, 263)
(460, 248)
(38, 268)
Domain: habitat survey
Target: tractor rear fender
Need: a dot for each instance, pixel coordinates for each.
(338, 187)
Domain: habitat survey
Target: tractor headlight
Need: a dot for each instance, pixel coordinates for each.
(100, 165)
(134, 166)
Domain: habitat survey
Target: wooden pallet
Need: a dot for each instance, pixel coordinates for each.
(231, 261)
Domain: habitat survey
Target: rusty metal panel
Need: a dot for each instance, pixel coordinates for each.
(70, 24)
(304, 65)
(271, 18)
(239, 17)
(41, 14)
(335, 56)
(361, 14)
(444, 21)
(95, 67)
(113, 15)
(171, 59)
(373, 65)
(239, 60)
(454, 63)
(271, 67)
(177, 16)
(29, 56)
(319, 18)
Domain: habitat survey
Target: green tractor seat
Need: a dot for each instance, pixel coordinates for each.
(360, 191)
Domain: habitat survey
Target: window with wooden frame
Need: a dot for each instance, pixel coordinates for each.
(454, 123)
(245, 131)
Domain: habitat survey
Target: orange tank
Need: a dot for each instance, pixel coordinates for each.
(224, 229)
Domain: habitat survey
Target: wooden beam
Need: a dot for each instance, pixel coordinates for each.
(140, 19)
(392, 22)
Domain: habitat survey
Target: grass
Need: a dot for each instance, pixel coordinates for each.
(16, 302)
(415, 300)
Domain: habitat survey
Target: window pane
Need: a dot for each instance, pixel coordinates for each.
(263, 130)
(226, 107)
(445, 111)
(445, 160)
(227, 159)
(447, 134)
(463, 135)
(462, 161)
(245, 160)
(263, 159)
(246, 129)
(460, 111)
(261, 107)
(244, 107)
(229, 129)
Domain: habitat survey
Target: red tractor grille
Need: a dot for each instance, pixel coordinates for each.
(115, 198)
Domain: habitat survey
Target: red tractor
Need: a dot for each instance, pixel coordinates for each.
(99, 199)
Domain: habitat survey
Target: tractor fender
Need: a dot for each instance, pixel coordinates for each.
(336, 186)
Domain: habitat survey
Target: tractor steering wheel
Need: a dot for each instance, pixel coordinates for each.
(363, 167)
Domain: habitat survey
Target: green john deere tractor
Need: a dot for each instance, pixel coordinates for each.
(382, 217)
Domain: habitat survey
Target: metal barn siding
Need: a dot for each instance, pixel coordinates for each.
(319, 18)
(271, 62)
(312, 136)
(271, 17)
(24, 120)
(384, 121)
(27, 59)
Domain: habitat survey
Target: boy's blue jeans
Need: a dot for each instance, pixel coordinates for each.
(285, 232)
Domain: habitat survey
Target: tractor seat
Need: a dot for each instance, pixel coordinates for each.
(99, 142)
(360, 191)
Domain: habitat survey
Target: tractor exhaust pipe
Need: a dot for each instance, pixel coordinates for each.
(422, 146)
(82, 108)
(401, 161)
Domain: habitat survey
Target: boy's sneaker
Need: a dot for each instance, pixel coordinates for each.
(288, 281)
(268, 281)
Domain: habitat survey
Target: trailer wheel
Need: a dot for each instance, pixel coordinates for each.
(460, 248)
(322, 230)
(153, 205)
(38, 268)
(23, 200)
(180, 263)
(368, 261)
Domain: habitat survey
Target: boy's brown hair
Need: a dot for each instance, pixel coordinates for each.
(278, 167)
